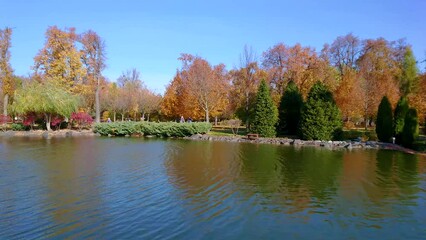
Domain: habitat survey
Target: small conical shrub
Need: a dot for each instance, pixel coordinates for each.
(410, 131)
(290, 109)
(265, 115)
(399, 117)
(320, 118)
(384, 121)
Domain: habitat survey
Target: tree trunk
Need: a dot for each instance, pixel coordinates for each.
(115, 116)
(247, 110)
(148, 118)
(122, 117)
(215, 120)
(207, 116)
(97, 104)
(5, 103)
(48, 119)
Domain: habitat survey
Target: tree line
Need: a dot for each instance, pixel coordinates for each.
(357, 73)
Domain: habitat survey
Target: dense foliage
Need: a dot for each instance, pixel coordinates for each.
(409, 77)
(399, 117)
(320, 119)
(410, 131)
(384, 121)
(164, 129)
(82, 119)
(290, 107)
(46, 98)
(265, 113)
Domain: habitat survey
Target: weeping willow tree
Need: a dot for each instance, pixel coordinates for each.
(46, 98)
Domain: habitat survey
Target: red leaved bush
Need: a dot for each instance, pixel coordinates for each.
(4, 119)
(29, 119)
(82, 119)
(56, 121)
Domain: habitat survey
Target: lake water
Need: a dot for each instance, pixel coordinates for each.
(131, 188)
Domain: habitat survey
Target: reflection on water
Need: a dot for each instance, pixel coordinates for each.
(160, 189)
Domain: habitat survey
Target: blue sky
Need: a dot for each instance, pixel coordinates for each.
(150, 35)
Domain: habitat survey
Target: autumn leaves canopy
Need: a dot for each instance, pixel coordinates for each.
(357, 73)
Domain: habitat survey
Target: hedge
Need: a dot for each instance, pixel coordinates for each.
(163, 129)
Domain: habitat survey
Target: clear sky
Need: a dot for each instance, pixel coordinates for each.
(150, 35)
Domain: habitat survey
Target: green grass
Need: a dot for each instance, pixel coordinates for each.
(226, 131)
(420, 144)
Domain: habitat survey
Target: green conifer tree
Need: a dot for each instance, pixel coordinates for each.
(399, 117)
(384, 121)
(265, 115)
(409, 78)
(321, 118)
(291, 104)
(410, 131)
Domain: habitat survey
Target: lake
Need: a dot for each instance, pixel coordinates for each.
(136, 188)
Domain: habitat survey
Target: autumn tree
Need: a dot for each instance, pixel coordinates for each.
(148, 102)
(209, 85)
(245, 81)
(265, 115)
(417, 99)
(343, 54)
(6, 72)
(302, 65)
(409, 76)
(111, 99)
(94, 61)
(379, 71)
(131, 84)
(60, 59)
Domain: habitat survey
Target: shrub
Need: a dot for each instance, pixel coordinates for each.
(17, 127)
(29, 120)
(166, 129)
(265, 113)
(384, 120)
(320, 119)
(410, 131)
(399, 116)
(3, 121)
(291, 104)
(82, 119)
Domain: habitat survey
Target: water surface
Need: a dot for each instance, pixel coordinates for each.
(111, 188)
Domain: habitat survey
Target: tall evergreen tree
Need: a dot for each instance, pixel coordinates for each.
(321, 117)
(409, 78)
(289, 110)
(384, 120)
(265, 112)
(411, 128)
(399, 117)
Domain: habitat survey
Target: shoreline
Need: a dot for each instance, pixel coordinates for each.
(332, 145)
(348, 144)
(49, 134)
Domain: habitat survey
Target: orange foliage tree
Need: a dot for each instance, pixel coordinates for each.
(60, 59)
(380, 70)
(6, 72)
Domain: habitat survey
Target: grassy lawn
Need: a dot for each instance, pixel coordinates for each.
(226, 131)
(420, 144)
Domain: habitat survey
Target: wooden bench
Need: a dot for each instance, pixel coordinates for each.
(252, 136)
